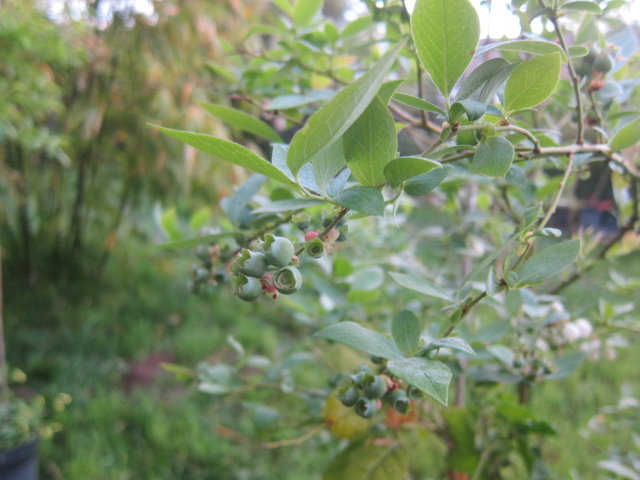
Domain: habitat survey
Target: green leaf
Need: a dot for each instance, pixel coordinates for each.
(368, 461)
(430, 376)
(626, 136)
(495, 83)
(370, 143)
(304, 12)
(330, 122)
(404, 168)
(548, 263)
(367, 200)
(243, 121)
(285, 6)
(535, 47)
(487, 261)
(494, 157)
(502, 353)
(229, 152)
(285, 102)
(454, 343)
(577, 51)
(567, 364)
(305, 175)
(388, 89)
(368, 278)
(360, 338)
(424, 183)
(169, 222)
(446, 34)
(479, 77)
(473, 109)
(326, 164)
(357, 26)
(406, 330)
(532, 82)
(421, 285)
(194, 242)
(416, 102)
(288, 205)
(234, 206)
(583, 7)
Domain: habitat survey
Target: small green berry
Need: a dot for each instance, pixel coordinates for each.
(603, 63)
(315, 248)
(246, 288)
(414, 392)
(375, 389)
(252, 264)
(366, 407)
(399, 401)
(362, 379)
(288, 280)
(279, 250)
(349, 397)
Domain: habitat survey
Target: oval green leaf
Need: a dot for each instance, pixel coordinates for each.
(229, 152)
(416, 102)
(403, 168)
(366, 200)
(243, 121)
(430, 376)
(532, 82)
(370, 143)
(329, 123)
(535, 47)
(626, 136)
(423, 184)
(494, 157)
(360, 338)
(548, 263)
(446, 34)
(406, 330)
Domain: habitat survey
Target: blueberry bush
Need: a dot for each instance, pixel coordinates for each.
(425, 197)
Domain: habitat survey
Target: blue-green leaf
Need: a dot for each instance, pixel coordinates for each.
(416, 102)
(330, 122)
(229, 152)
(430, 376)
(535, 47)
(446, 34)
(494, 157)
(421, 285)
(243, 121)
(370, 143)
(367, 200)
(360, 338)
(406, 332)
(548, 263)
(403, 168)
(426, 182)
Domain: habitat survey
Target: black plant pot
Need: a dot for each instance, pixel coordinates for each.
(20, 463)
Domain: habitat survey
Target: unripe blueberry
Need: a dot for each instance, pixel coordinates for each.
(288, 280)
(603, 63)
(375, 389)
(302, 221)
(366, 407)
(349, 397)
(414, 392)
(203, 252)
(246, 288)
(362, 379)
(315, 248)
(201, 274)
(279, 250)
(399, 401)
(252, 264)
(488, 130)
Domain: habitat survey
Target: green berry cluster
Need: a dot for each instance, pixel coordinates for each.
(270, 268)
(367, 392)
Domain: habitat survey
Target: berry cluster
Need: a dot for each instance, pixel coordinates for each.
(367, 392)
(251, 269)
